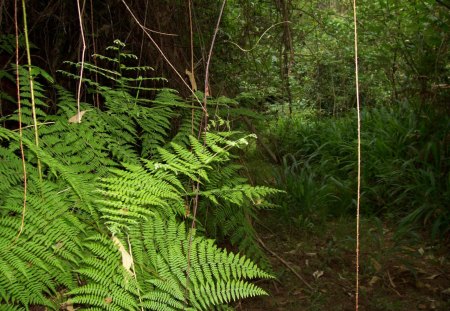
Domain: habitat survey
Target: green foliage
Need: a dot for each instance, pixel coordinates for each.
(40, 259)
(105, 225)
(410, 62)
(405, 166)
(172, 270)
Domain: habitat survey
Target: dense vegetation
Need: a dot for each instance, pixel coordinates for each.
(160, 173)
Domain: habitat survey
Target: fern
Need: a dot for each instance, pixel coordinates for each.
(160, 279)
(39, 261)
(103, 223)
(133, 118)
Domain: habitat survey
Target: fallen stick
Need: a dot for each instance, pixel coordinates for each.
(284, 262)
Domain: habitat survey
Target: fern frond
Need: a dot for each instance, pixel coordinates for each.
(36, 262)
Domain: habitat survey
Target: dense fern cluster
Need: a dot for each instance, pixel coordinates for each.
(110, 201)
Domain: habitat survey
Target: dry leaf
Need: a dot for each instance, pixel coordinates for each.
(298, 292)
(422, 306)
(108, 300)
(376, 264)
(432, 277)
(127, 260)
(68, 306)
(421, 251)
(446, 291)
(191, 80)
(407, 248)
(374, 280)
(420, 284)
(391, 281)
(434, 304)
(77, 118)
(317, 274)
(341, 277)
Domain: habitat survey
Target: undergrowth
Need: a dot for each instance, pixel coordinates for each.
(111, 195)
(405, 173)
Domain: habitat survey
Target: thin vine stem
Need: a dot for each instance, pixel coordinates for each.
(30, 77)
(358, 193)
(191, 41)
(259, 39)
(83, 52)
(202, 129)
(19, 111)
(94, 47)
(147, 33)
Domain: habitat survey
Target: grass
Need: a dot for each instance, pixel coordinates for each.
(406, 164)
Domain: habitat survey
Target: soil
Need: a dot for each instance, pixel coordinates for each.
(395, 274)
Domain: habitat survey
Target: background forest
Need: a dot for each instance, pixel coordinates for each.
(191, 155)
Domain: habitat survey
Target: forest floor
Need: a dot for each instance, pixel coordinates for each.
(408, 274)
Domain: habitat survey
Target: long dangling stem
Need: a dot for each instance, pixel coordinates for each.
(191, 33)
(202, 129)
(83, 52)
(358, 199)
(19, 111)
(30, 77)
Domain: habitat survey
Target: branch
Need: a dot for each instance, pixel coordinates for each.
(147, 33)
(284, 262)
(443, 4)
(259, 39)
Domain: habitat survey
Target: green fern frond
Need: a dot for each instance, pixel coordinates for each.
(39, 260)
(136, 194)
(171, 272)
(40, 95)
(207, 266)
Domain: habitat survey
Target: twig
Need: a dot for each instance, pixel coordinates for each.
(259, 39)
(191, 39)
(143, 33)
(191, 36)
(284, 262)
(260, 141)
(392, 285)
(202, 129)
(161, 33)
(134, 271)
(443, 4)
(28, 126)
(144, 29)
(208, 61)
